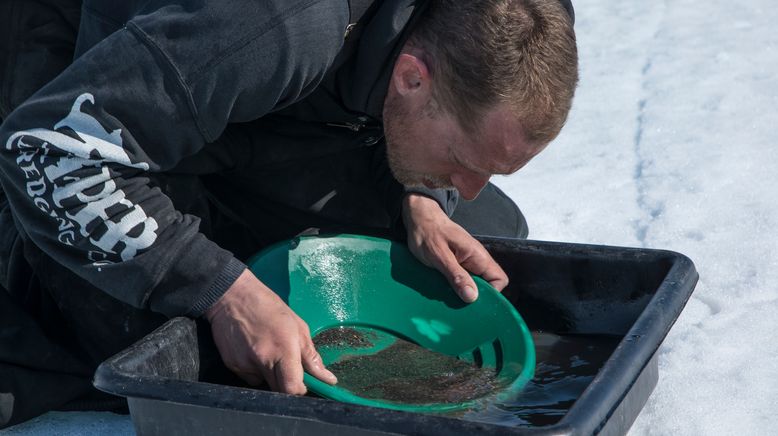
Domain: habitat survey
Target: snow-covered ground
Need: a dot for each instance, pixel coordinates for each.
(670, 145)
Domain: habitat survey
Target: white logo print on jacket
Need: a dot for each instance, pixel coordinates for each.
(67, 179)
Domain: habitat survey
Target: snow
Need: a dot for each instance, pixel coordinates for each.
(669, 145)
(74, 424)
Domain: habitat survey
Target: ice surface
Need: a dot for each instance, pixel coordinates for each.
(73, 424)
(671, 144)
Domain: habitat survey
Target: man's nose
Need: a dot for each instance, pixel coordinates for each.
(469, 185)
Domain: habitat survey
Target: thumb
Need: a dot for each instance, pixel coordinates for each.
(314, 366)
(457, 276)
(311, 359)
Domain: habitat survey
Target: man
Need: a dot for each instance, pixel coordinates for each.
(185, 136)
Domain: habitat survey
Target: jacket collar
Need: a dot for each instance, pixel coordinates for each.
(363, 80)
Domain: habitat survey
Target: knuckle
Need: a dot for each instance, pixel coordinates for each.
(310, 354)
(294, 388)
(258, 351)
(266, 354)
(460, 279)
(306, 345)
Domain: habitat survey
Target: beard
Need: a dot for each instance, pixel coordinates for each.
(398, 147)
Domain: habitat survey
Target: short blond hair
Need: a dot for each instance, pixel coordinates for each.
(485, 52)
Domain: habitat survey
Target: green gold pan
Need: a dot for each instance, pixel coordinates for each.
(375, 289)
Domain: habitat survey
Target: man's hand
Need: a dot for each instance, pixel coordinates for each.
(260, 338)
(443, 244)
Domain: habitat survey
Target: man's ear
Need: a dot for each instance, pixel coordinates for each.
(411, 76)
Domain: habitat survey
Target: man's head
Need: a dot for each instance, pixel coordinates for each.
(480, 88)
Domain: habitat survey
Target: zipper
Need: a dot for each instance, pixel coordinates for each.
(354, 127)
(362, 122)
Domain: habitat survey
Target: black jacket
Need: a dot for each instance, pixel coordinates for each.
(161, 87)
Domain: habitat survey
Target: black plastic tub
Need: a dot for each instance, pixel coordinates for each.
(636, 294)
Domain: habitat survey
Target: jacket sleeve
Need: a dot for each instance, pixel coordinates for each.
(446, 198)
(76, 156)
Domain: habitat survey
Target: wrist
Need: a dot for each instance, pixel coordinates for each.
(416, 204)
(229, 296)
(415, 198)
(216, 308)
(421, 214)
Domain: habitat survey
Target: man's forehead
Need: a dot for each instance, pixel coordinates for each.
(504, 142)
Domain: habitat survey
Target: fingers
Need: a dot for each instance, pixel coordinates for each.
(475, 259)
(499, 283)
(313, 364)
(446, 262)
(289, 375)
(280, 367)
(286, 373)
(459, 256)
(439, 242)
(260, 338)
(486, 267)
(289, 370)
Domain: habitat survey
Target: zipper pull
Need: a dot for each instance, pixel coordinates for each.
(354, 127)
(351, 126)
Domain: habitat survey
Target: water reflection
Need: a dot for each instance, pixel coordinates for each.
(566, 364)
